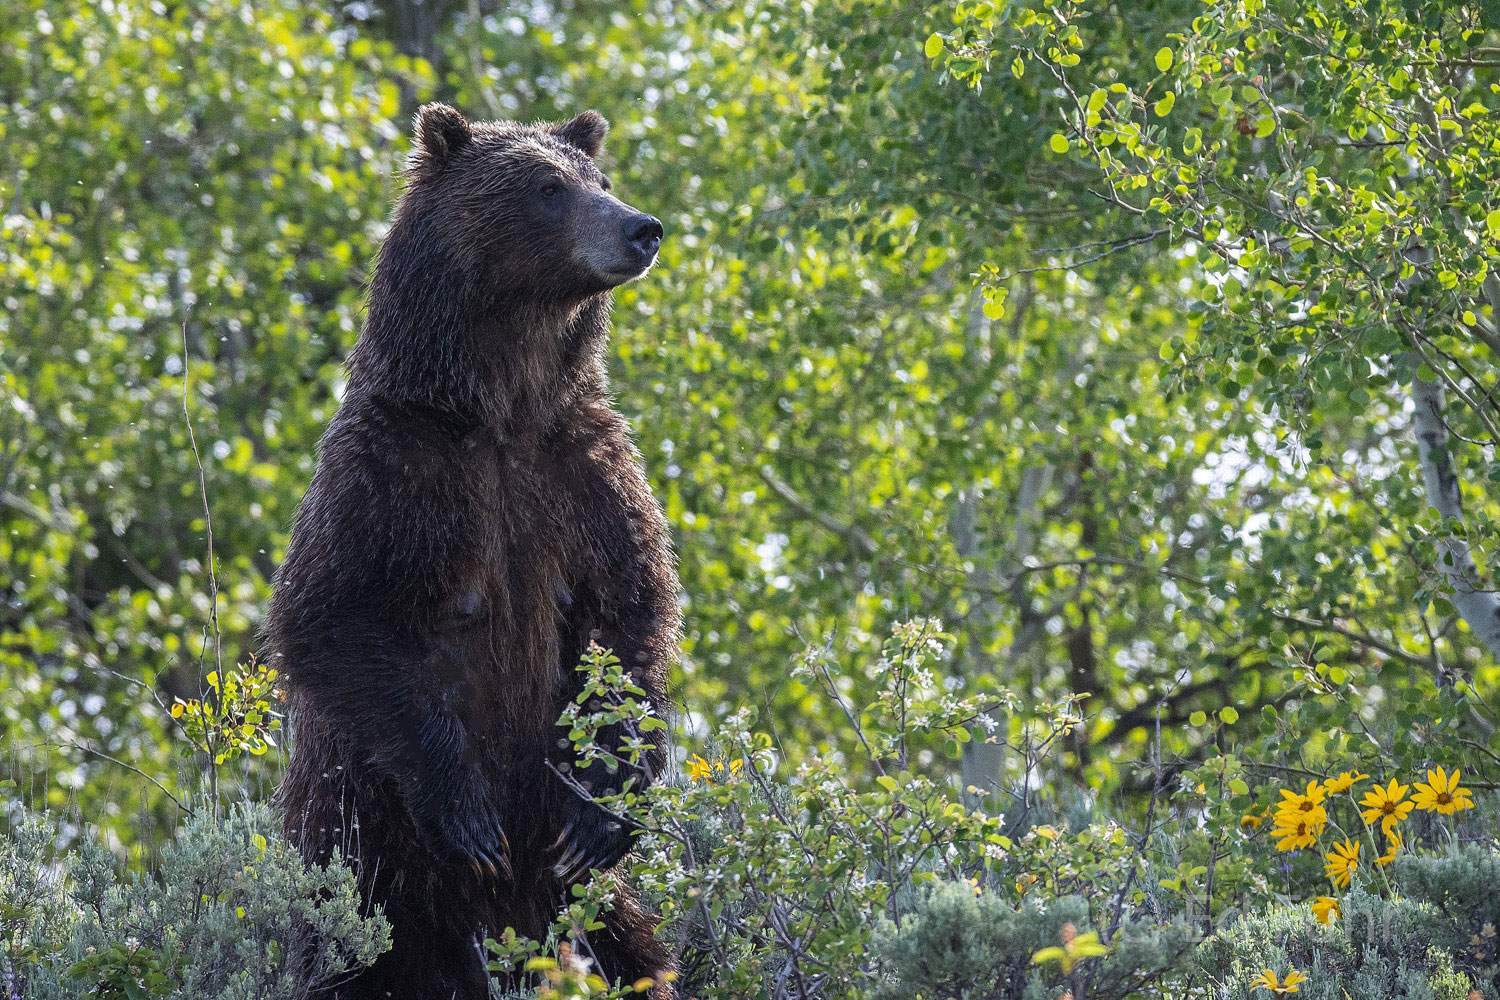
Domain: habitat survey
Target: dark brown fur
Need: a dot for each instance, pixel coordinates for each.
(478, 513)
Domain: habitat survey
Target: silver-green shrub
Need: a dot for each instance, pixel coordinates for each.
(214, 921)
(1425, 940)
(957, 942)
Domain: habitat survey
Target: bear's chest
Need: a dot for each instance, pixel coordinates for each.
(506, 632)
(536, 510)
(530, 536)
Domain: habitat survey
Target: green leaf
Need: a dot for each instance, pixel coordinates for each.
(1229, 714)
(934, 46)
(1165, 105)
(1492, 221)
(1198, 719)
(1163, 59)
(1059, 143)
(1265, 126)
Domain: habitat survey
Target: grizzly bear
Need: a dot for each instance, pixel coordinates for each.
(477, 517)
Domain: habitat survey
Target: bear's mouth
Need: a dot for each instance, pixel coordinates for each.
(628, 264)
(631, 273)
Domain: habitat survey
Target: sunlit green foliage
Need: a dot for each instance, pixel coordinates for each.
(1325, 168)
(1101, 334)
(210, 179)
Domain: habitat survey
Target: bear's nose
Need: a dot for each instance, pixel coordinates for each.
(644, 231)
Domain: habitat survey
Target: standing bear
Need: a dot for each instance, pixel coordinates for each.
(478, 515)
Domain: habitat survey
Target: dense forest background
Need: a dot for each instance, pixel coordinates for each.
(1148, 346)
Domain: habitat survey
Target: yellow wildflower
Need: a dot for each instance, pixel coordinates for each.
(1386, 805)
(712, 772)
(1298, 830)
(1343, 862)
(1294, 802)
(1393, 847)
(1325, 908)
(1442, 794)
(1300, 818)
(1252, 821)
(1344, 782)
(1267, 981)
(699, 769)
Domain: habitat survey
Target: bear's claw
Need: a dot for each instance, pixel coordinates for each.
(592, 838)
(477, 838)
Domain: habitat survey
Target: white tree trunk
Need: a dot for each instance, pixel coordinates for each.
(1479, 608)
(983, 763)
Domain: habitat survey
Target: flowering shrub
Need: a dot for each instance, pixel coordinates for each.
(861, 874)
(1375, 820)
(865, 872)
(1380, 948)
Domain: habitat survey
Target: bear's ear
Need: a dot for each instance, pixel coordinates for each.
(441, 133)
(587, 132)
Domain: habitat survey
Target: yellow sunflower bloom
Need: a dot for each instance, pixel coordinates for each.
(1345, 781)
(1386, 805)
(1325, 908)
(1393, 847)
(1342, 863)
(1303, 802)
(1294, 809)
(1442, 794)
(699, 769)
(1267, 981)
(1293, 832)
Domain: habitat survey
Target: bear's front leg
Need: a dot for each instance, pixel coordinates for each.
(454, 801)
(624, 598)
(593, 835)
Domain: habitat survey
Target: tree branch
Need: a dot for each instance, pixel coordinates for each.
(857, 537)
(1479, 608)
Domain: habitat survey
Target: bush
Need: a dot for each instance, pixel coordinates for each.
(1413, 945)
(1461, 890)
(970, 945)
(214, 922)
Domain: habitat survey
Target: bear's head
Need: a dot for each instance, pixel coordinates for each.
(523, 210)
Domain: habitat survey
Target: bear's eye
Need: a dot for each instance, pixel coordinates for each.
(605, 184)
(550, 188)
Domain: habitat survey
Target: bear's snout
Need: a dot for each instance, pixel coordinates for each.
(644, 232)
(618, 242)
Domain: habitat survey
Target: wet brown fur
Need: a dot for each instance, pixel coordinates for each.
(478, 512)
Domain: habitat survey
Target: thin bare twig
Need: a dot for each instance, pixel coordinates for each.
(213, 574)
(115, 760)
